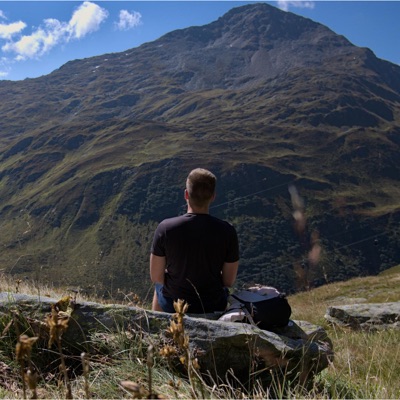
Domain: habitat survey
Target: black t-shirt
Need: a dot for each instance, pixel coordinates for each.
(196, 246)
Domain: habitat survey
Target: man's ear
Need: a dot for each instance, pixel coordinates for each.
(186, 195)
(213, 198)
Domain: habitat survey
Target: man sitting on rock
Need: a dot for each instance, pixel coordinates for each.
(194, 256)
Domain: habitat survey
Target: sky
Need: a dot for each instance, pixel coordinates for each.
(37, 37)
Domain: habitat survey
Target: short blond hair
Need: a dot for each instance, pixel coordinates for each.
(200, 185)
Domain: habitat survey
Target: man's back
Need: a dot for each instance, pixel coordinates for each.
(196, 246)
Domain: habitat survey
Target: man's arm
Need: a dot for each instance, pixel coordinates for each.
(157, 268)
(229, 271)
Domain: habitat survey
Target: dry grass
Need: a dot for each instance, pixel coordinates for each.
(311, 305)
(34, 288)
(366, 365)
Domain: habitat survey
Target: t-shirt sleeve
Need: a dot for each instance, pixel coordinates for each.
(233, 247)
(158, 247)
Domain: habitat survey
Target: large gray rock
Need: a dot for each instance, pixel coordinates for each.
(366, 316)
(298, 351)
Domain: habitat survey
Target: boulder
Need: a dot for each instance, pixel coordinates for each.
(366, 316)
(298, 351)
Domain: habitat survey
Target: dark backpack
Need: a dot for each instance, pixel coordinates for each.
(263, 306)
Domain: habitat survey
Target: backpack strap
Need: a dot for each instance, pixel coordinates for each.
(245, 310)
(248, 315)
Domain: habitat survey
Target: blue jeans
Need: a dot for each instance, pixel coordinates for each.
(166, 303)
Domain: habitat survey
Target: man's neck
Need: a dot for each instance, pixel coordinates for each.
(195, 210)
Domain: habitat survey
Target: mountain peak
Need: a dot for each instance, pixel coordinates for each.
(248, 44)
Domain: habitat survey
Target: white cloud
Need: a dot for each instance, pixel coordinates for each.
(8, 30)
(2, 15)
(38, 42)
(26, 47)
(53, 33)
(127, 20)
(86, 19)
(284, 5)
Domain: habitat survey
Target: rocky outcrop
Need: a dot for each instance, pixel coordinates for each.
(298, 351)
(366, 316)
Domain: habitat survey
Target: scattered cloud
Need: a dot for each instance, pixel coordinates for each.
(128, 20)
(2, 15)
(285, 5)
(86, 19)
(9, 30)
(37, 43)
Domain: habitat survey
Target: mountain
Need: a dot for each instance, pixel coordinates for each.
(95, 154)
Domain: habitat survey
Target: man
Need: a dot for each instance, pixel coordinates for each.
(194, 256)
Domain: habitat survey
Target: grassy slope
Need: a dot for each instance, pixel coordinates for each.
(311, 306)
(366, 365)
(86, 169)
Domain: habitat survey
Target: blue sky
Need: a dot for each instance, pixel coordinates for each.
(37, 37)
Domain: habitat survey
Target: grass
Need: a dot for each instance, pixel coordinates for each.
(366, 364)
(310, 306)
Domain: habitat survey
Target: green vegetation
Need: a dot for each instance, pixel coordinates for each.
(126, 364)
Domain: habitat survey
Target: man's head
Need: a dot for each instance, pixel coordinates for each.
(200, 187)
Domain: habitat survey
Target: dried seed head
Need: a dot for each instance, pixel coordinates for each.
(31, 378)
(195, 364)
(181, 306)
(63, 303)
(24, 346)
(297, 201)
(150, 356)
(175, 384)
(137, 391)
(167, 351)
(85, 363)
(57, 323)
(175, 329)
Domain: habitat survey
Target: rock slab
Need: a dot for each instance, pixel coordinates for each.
(366, 316)
(298, 351)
